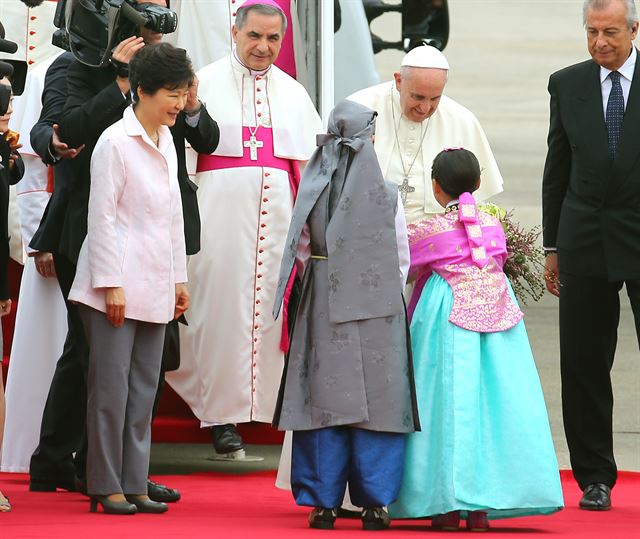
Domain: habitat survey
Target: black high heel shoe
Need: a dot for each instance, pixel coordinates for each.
(144, 505)
(111, 507)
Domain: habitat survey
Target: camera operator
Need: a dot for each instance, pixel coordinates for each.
(95, 99)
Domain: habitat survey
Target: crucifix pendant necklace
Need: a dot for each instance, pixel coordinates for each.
(405, 188)
(253, 143)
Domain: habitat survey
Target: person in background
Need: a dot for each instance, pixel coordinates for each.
(11, 171)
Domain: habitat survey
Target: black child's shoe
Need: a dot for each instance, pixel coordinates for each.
(375, 518)
(322, 518)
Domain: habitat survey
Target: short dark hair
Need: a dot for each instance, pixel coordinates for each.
(262, 9)
(159, 66)
(457, 171)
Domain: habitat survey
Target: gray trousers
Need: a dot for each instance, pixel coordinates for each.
(124, 365)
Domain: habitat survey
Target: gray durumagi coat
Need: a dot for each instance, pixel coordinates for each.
(349, 362)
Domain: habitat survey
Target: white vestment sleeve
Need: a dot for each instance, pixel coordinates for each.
(402, 239)
(32, 197)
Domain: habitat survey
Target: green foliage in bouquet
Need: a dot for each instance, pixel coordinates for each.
(525, 263)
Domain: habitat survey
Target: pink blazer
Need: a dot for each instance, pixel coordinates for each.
(135, 236)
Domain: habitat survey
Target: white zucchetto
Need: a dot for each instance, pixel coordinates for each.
(425, 56)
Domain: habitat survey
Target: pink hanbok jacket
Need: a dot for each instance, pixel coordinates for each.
(467, 248)
(135, 233)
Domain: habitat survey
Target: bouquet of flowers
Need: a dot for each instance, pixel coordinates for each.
(525, 263)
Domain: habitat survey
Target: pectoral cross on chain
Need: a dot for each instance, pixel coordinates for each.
(405, 189)
(253, 144)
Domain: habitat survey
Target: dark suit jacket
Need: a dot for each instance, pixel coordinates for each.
(591, 204)
(93, 103)
(54, 96)
(7, 177)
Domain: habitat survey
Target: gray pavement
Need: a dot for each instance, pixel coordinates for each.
(502, 53)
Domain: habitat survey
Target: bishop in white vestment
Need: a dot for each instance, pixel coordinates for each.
(231, 353)
(416, 122)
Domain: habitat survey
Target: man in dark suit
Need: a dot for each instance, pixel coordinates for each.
(93, 100)
(591, 195)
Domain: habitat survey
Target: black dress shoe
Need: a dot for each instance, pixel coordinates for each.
(41, 485)
(375, 518)
(161, 493)
(147, 506)
(322, 518)
(226, 439)
(596, 497)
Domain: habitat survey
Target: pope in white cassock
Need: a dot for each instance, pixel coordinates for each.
(415, 122)
(231, 351)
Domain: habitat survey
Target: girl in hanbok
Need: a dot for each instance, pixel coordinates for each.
(485, 450)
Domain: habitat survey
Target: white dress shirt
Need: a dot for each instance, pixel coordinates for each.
(626, 72)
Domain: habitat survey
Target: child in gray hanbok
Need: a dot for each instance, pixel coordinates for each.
(347, 391)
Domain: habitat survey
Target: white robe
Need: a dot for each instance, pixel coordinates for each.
(451, 126)
(41, 318)
(231, 362)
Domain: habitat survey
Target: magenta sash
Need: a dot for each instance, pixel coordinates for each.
(266, 158)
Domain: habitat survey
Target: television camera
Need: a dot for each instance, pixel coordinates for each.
(90, 29)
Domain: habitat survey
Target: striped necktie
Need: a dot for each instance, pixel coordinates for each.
(615, 113)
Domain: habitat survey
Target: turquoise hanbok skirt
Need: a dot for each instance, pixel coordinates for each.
(485, 442)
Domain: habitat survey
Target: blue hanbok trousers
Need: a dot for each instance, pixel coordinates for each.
(323, 461)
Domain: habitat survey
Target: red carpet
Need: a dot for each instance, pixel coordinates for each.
(239, 506)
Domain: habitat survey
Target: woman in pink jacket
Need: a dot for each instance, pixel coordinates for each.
(131, 277)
